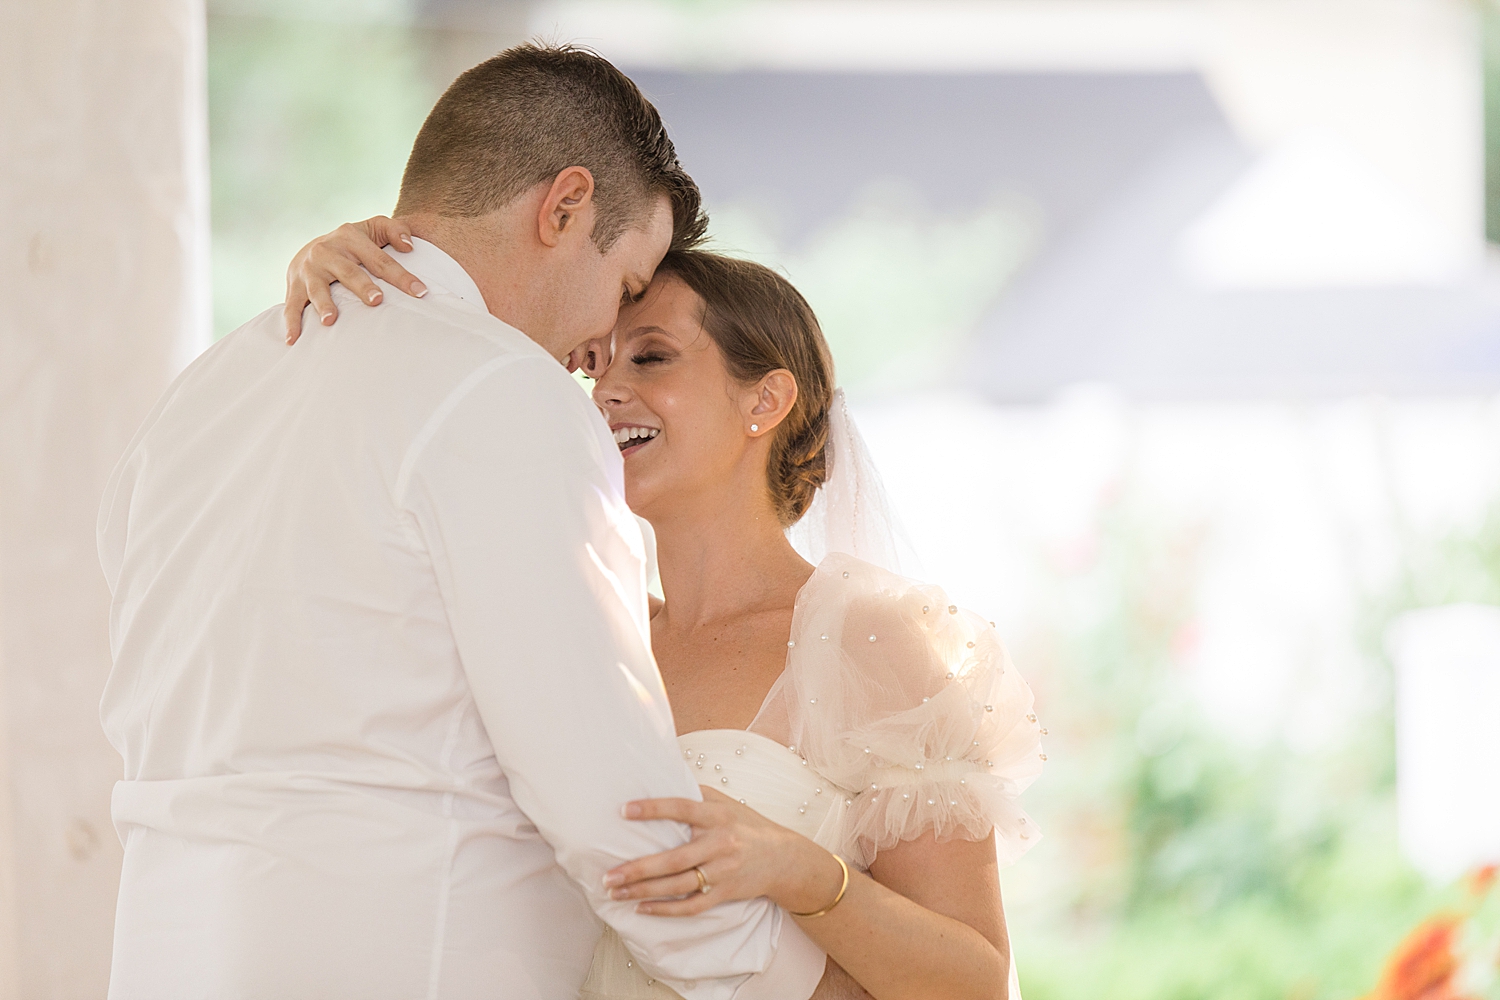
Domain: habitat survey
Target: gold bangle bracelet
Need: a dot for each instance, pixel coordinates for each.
(836, 899)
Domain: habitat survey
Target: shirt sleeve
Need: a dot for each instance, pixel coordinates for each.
(114, 507)
(541, 568)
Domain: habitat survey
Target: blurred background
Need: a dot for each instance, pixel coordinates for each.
(1173, 325)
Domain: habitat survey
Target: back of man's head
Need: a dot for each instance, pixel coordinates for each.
(529, 113)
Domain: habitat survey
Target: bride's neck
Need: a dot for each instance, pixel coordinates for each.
(720, 560)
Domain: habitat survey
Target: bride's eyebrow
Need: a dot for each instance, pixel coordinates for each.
(642, 331)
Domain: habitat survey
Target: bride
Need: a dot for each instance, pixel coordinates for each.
(861, 742)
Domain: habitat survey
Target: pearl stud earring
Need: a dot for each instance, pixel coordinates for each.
(754, 428)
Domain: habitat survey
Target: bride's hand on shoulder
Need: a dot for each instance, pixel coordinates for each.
(346, 255)
(741, 854)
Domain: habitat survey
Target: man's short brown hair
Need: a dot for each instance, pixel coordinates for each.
(529, 113)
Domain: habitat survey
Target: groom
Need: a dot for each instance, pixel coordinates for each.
(382, 671)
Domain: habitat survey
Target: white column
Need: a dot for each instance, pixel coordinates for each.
(1447, 741)
(103, 296)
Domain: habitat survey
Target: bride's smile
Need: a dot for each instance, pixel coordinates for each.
(632, 437)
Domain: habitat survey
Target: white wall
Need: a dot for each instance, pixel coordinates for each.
(103, 295)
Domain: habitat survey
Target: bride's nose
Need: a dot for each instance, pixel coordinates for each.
(610, 392)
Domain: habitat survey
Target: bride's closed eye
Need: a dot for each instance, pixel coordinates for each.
(648, 358)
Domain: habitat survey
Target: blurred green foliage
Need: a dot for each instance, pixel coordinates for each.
(310, 122)
(1463, 566)
(897, 288)
(1489, 13)
(1181, 864)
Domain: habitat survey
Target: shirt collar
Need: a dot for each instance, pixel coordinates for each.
(440, 272)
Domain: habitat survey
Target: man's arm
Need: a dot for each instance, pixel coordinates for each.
(540, 565)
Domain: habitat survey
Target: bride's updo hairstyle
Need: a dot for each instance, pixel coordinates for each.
(760, 324)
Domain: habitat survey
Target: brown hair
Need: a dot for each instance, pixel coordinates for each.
(531, 112)
(761, 323)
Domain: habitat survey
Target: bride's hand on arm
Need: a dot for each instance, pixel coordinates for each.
(349, 254)
(925, 924)
(742, 855)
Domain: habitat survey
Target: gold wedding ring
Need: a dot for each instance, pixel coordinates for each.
(703, 885)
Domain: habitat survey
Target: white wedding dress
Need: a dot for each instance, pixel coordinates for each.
(897, 714)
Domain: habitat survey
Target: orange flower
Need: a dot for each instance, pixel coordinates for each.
(1481, 879)
(1422, 966)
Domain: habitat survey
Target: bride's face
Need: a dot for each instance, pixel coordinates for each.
(679, 418)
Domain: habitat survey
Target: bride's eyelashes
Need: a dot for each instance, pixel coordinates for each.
(648, 358)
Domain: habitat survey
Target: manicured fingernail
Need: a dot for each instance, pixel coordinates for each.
(404, 239)
(612, 879)
(328, 319)
(619, 894)
(631, 810)
(418, 289)
(374, 298)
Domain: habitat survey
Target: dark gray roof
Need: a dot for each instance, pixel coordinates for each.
(1118, 165)
(1108, 304)
(1066, 142)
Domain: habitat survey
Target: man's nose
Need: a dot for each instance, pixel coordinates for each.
(593, 357)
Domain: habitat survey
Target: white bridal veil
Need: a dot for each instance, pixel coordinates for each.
(851, 512)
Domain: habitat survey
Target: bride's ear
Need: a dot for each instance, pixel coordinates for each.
(770, 402)
(568, 206)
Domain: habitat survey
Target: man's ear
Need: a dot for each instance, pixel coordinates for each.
(772, 401)
(568, 206)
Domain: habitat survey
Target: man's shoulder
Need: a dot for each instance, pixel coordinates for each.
(461, 364)
(443, 324)
(431, 359)
(482, 351)
(412, 348)
(391, 366)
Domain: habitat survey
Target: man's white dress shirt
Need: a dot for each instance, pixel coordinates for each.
(383, 680)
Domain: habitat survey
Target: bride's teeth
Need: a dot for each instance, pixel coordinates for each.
(625, 435)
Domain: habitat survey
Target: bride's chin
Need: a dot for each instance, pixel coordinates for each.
(640, 508)
(642, 496)
(635, 497)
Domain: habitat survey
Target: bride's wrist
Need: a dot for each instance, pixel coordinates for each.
(813, 881)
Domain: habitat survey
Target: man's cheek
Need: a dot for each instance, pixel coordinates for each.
(608, 317)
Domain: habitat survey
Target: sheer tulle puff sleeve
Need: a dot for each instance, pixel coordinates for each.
(912, 707)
